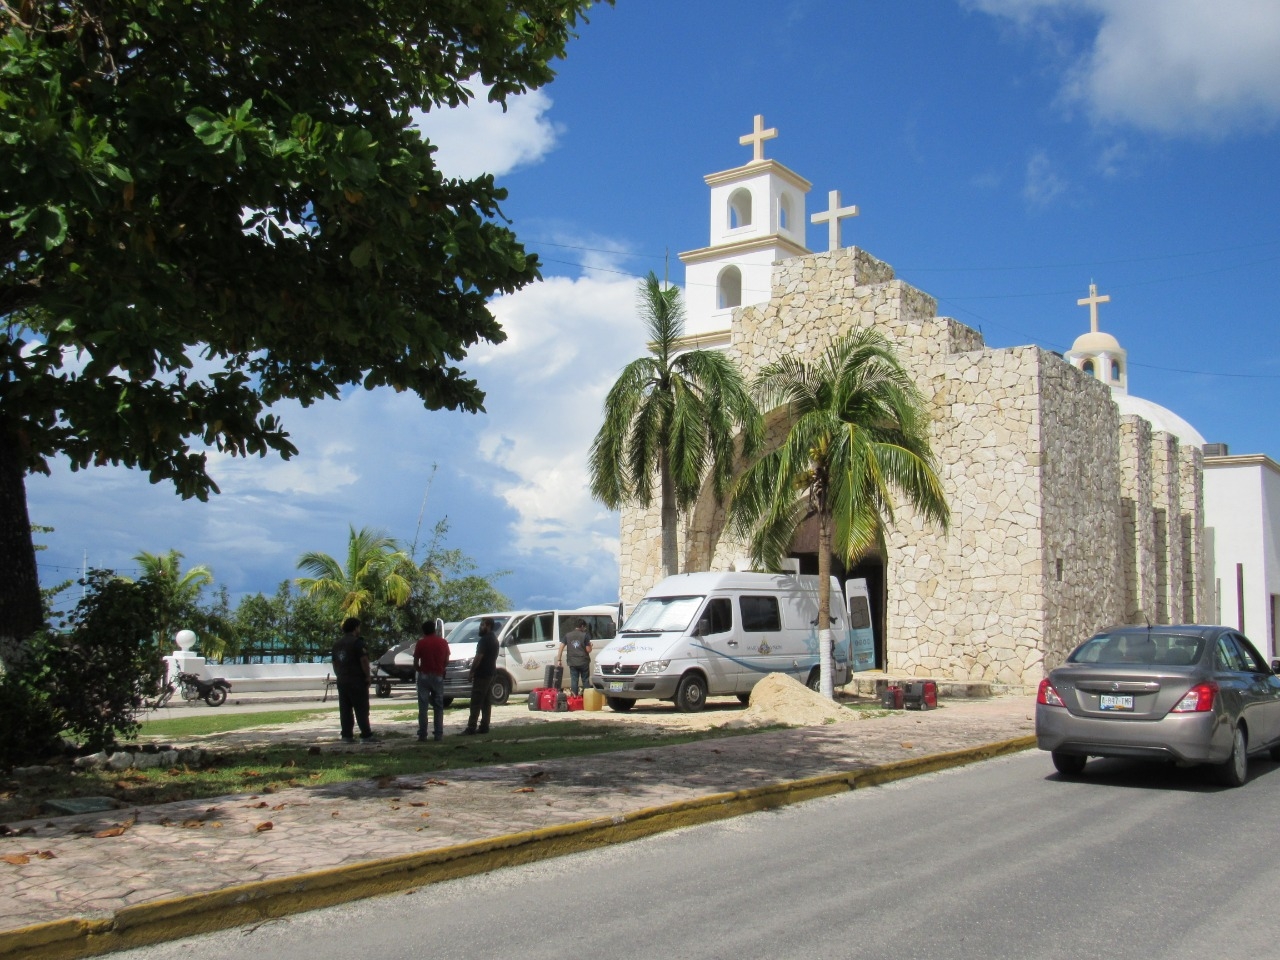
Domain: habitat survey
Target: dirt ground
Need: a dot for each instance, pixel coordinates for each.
(776, 700)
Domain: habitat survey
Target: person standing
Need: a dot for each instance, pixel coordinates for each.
(483, 668)
(351, 671)
(575, 649)
(430, 657)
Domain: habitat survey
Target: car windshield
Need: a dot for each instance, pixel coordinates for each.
(662, 613)
(468, 631)
(1157, 649)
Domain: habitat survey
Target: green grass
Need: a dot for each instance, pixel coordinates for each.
(267, 770)
(206, 723)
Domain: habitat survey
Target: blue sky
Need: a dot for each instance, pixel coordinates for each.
(1003, 154)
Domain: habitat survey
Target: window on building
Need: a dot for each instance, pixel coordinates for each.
(784, 212)
(1087, 367)
(729, 288)
(1115, 369)
(739, 209)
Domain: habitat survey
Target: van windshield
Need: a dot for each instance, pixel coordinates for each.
(662, 613)
(468, 631)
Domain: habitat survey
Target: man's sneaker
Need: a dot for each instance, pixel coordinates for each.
(369, 738)
(438, 738)
(467, 733)
(483, 730)
(348, 739)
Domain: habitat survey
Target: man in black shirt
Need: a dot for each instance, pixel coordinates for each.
(483, 668)
(351, 671)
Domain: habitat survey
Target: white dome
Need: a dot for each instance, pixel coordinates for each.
(1158, 417)
(1097, 342)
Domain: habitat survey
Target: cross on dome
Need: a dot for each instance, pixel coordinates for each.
(756, 138)
(832, 217)
(1092, 301)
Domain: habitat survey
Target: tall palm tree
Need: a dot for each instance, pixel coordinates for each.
(180, 591)
(376, 569)
(674, 415)
(857, 433)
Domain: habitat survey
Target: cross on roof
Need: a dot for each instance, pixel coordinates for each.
(832, 217)
(1092, 301)
(757, 137)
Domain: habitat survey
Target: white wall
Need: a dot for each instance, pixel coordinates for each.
(1242, 505)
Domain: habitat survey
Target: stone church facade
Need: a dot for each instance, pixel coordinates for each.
(1066, 515)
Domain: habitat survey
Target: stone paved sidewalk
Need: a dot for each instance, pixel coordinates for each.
(180, 850)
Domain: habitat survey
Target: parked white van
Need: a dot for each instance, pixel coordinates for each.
(528, 642)
(697, 635)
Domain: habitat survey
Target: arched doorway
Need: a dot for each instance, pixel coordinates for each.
(870, 567)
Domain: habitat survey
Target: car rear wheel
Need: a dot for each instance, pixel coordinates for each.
(1069, 764)
(1234, 771)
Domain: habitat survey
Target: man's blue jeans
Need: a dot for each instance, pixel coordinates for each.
(430, 691)
(578, 678)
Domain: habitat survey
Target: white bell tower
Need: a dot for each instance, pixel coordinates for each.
(757, 218)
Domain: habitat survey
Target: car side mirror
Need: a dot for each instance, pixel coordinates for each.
(1275, 666)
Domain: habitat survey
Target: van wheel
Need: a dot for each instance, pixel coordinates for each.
(383, 688)
(744, 698)
(499, 690)
(620, 704)
(814, 682)
(691, 695)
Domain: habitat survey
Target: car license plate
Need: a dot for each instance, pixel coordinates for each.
(617, 685)
(1110, 701)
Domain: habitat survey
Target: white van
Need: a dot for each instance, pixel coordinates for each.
(528, 642)
(697, 635)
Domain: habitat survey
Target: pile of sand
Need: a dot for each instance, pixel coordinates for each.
(780, 699)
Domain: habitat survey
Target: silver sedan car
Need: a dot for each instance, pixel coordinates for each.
(1187, 694)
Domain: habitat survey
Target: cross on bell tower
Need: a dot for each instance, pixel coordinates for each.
(1092, 301)
(756, 138)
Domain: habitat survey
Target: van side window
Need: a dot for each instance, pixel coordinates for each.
(534, 628)
(602, 628)
(719, 615)
(760, 613)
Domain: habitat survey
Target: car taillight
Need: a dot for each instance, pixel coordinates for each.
(1199, 699)
(1048, 696)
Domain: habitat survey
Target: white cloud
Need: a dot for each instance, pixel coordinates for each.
(1042, 184)
(481, 138)
(1175, 67)
(568, 341)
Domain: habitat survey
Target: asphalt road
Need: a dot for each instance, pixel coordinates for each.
(998, 860)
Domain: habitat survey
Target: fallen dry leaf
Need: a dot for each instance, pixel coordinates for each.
(47, 855)
(193, 824)
(264, 825)
(17, 859)
(417, 803)
(523, 790)
(334, 813)
(908, 745)
(255, 806)
(279, 806)
(116, 831)
(289, 763)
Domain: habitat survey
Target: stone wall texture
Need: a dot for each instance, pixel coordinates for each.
(1065, 517)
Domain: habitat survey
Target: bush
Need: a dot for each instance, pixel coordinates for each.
(28, 721)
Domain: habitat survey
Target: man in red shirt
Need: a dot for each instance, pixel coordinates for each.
(430, 657)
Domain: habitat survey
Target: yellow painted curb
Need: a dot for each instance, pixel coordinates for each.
(254, 902)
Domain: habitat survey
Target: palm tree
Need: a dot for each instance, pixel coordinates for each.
(180, 591)
(674, 416)
(857, 432)
(376, 569)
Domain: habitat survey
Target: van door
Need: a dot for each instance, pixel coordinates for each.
(716, 646)
(763, 643)
(529, 646)
(862, 640)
